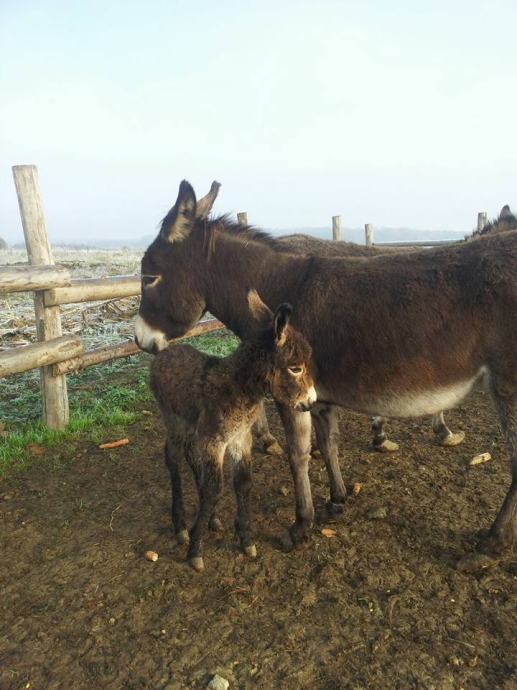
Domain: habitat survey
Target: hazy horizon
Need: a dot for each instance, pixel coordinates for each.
(397, 114)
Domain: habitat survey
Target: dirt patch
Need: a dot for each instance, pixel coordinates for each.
(378, 604)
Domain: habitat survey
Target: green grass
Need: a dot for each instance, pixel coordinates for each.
(104, 398)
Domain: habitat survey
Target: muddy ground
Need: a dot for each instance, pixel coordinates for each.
(379, 605)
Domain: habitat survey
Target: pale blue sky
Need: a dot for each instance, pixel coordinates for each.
(396, 113)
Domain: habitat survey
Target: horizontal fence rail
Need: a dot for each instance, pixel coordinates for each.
(91, 289)
(31, 278)
(39, 354)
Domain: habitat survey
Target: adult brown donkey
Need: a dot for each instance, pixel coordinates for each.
(325, 416)
(397, 336)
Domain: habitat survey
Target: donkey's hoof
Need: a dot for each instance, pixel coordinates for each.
(335, 508)
(299, 533)
(197, 564)
(475, 562)
(182, 537)
(216, 525)
(273, 448)
(386, 446)
(452, 439)
(250, 551)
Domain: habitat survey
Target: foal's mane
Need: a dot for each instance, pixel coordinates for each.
(245, 234)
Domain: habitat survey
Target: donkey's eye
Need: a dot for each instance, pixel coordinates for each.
(149, 281)
(295, 371)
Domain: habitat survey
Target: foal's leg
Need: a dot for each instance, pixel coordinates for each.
(297, 427)
(444, 436)
(208, 471)
(174, 453)
(325, 418)
(265, 439)
(380, 441)
(241, 457)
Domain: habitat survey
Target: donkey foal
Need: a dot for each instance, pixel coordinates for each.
(209, 405)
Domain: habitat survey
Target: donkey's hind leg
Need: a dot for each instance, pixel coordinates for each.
(264, 438)
(503, 532)
(174, 453)
(380, 442)
(241, 457)
(325, 418)
(444, 436)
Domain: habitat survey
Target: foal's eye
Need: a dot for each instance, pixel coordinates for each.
(295, 371)
(149, 281)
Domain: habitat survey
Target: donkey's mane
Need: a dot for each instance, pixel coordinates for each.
(245, 233)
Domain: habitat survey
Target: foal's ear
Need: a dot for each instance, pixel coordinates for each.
(280, 323)
(505, 212)
(204, 205)
(180, 220)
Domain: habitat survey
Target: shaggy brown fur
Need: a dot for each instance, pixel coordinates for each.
(396, 335)
(209, 405)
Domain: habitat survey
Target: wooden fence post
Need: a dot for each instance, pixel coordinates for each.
(368, 233)
(482, 219)
(242, 218)
(48, 319)
(336, 227)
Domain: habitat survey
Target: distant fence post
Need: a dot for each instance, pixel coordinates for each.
(242, 218)
(368, 233)
(48, 319)
(336, 227)
(482, 220)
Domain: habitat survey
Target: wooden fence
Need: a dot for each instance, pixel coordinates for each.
(56, 354)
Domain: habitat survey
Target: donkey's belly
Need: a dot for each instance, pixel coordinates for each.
(410, 403)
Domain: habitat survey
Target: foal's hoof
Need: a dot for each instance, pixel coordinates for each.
(182, 537)
(197, 564)
(250, 551)
(452, 439)
(216, 525)
(386, 446)
(335, 508)
(475, 562)
(273, 448)
(316, 453)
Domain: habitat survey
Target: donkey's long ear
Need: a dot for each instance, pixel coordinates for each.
(260, 312)
(204, 205)
(180, 220)
(280, 323)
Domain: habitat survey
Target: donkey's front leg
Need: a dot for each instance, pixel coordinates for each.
(380, 442)
(444, 436)
(174, 453)
(325, 418)
(297, 427)
(265, 439)
(241, 457)
(208, 471)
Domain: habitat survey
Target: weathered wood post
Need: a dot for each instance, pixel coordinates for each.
(48, 319)
(336, 227)
(242, 218)
(482, 219)
(368, 233)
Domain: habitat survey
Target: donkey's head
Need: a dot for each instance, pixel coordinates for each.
(290, 380)
(171, 301)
